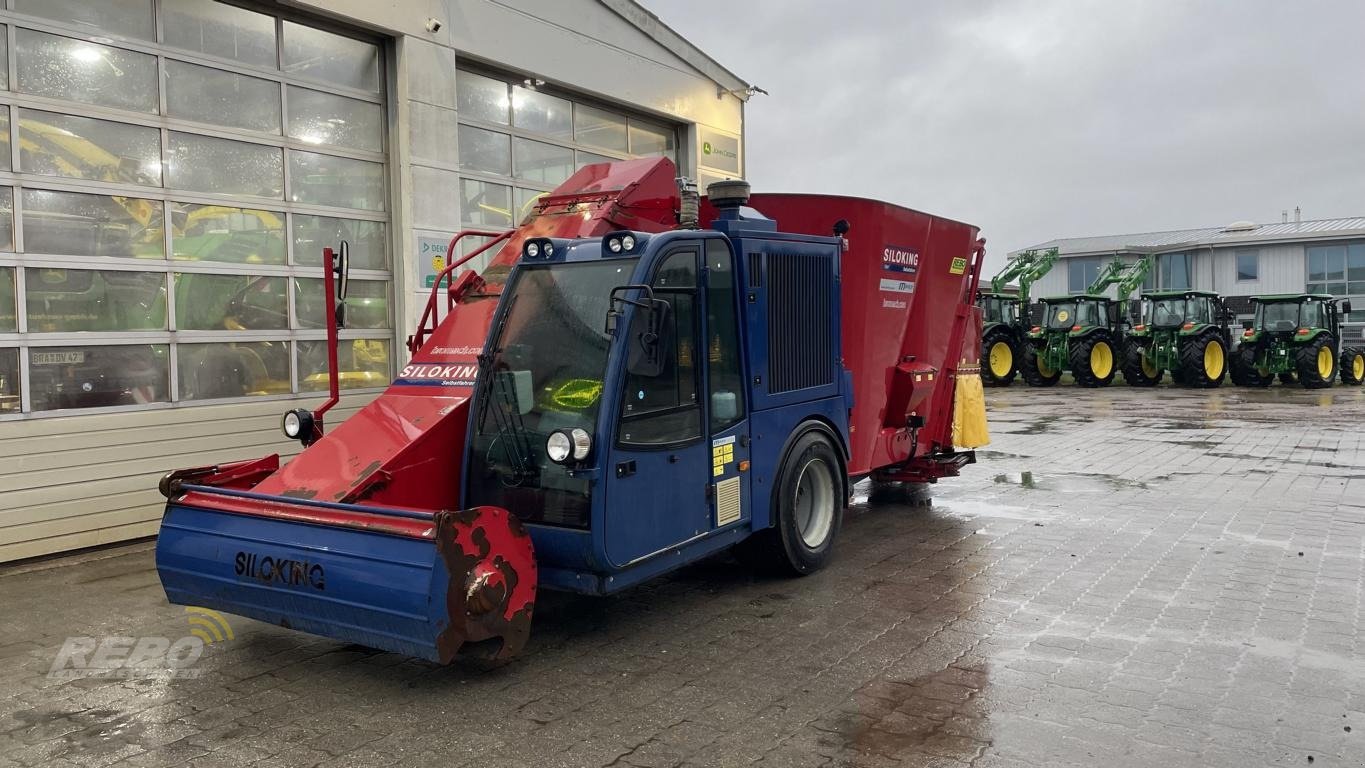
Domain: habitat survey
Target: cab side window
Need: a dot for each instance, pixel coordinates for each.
(725, 386)
(665, 409)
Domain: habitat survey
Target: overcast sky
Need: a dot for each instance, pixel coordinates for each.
(1037, 119)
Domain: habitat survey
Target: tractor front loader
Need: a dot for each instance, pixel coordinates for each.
(1004, 332)
(1296, 337)
(1184, 332)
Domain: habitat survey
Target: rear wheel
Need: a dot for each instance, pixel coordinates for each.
(1000, 358)
(1093, 361)
(1244, 370)
(1035, 369)
(807, 507)
(1352, 365)
(1138, 368)
(1204, 361)
(1316, 362)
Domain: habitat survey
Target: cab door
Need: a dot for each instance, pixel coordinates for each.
(659, 465)
(727, 413)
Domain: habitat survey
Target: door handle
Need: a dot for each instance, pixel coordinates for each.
(625, 468)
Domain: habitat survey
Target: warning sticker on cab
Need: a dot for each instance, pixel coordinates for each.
(959, 265)
(898, 286)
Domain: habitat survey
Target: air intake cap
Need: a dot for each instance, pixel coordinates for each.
(731, 193)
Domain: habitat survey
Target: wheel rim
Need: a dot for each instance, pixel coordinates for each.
(1101, 360)
(1213, 360)
(1045, 369)
(1358, 367)
(814, 502)
(1324, 362)
(1001, 359)
(1148, 367)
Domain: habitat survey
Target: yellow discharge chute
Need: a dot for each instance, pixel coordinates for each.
(969, 408)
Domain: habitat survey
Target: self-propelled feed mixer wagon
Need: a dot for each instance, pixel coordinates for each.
(619, 393)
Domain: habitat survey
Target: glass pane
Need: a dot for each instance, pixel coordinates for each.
(130, 18)
(486, 151)
(588, 158)
(486, 205)
(76, 70)
(8, 318)
(219, 30)
(541, 113)
(481, 98)
(230, 302)
(53, 144)
(68, 300)
(1316, 288)
(236, 369)
(1246, 265)
(650, 140)
(4, 134)
(526, 201)
(1355, 261)
(206, 164)
(360, 362)
(76, 224)
(6, 218)
(209, 95)
(1336, 289)
(96, 377)
(321, 118)
(599, 128)
(9, 381)
(726, 377)
(369, 244)
(367, 304)
(336, 59)
(223, 233)
(1355, 289)
(1317, 263)
(538, 161)
(4, 61)
(339, 181)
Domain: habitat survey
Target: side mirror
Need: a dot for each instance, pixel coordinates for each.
(651, 336)
(1346, 307)
(1247, 325)
(342, 269)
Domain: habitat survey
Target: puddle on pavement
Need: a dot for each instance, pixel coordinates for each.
(941, 714)
(1068, 483)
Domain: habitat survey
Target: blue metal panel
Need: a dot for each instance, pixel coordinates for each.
(771, 432)
(363, 587)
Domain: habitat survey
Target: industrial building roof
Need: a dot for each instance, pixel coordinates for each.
(1237, 233)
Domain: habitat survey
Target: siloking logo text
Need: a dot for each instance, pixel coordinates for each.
(898, 259)
(439, 374)
(280, 570)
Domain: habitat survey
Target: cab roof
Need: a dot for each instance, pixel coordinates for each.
(1075, 297)
(1281, 298)
(1178, 294)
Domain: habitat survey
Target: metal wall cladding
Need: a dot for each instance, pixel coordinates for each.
(800, 339)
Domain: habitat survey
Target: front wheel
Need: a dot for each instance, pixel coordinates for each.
(1093, 361)
(1000, 355)
(1316, 362)
(1352, 365)
(1244, 370)
(1035, 369)
(1139, 370)
(807, 507)
(1204, 361)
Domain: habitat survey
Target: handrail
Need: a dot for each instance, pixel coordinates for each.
(432, 311)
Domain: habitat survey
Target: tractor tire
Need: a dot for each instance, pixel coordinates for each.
(1093, 362)
(1203, 361)
(807, 506)
(1137, 371)
(1287, 378)
(1316, 362)
(1034, 371)
(999, 358)
(1244, 372)
(1352, 365)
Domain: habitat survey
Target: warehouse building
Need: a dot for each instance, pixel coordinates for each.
(173, 169)
(1239, 260)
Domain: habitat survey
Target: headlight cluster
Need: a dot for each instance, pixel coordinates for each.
(567, 446)
(621, 243)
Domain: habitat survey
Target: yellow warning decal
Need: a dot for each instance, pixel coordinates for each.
(959, 265)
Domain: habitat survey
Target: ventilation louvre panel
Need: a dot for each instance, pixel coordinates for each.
(800, 299)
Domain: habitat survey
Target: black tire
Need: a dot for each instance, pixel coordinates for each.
(1028, 368)
(1308, 365)
(1244, 373)
(807, 506)
(1287, 378)
(1135, 373)
(1089, 352)
(998, 341)
(1197, 354)
(1352, 365)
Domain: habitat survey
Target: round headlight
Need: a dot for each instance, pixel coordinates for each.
(582, 443)
(292, 425)
(558, 447)
(628, 242)
(614, 245)
(549, 249)
(533, 249)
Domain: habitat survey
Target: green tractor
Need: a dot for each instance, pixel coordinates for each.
(1296, 337)
(1084, 334)
(1005, 327)
(1184, 332)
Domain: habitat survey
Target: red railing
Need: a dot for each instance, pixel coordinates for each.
(431, 315)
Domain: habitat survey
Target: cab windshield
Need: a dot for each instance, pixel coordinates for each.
(542, 371)
(999, 310)
(1070, 314)
(1166, 313)
(1277, 317)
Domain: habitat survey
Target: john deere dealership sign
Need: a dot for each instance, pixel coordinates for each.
(719, 151)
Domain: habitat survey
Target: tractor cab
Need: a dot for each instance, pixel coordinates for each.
(1296, 337)
(1173, 309)
(998, 308)
(1075, 314)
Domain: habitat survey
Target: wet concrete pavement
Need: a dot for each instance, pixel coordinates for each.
(1129, 577)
